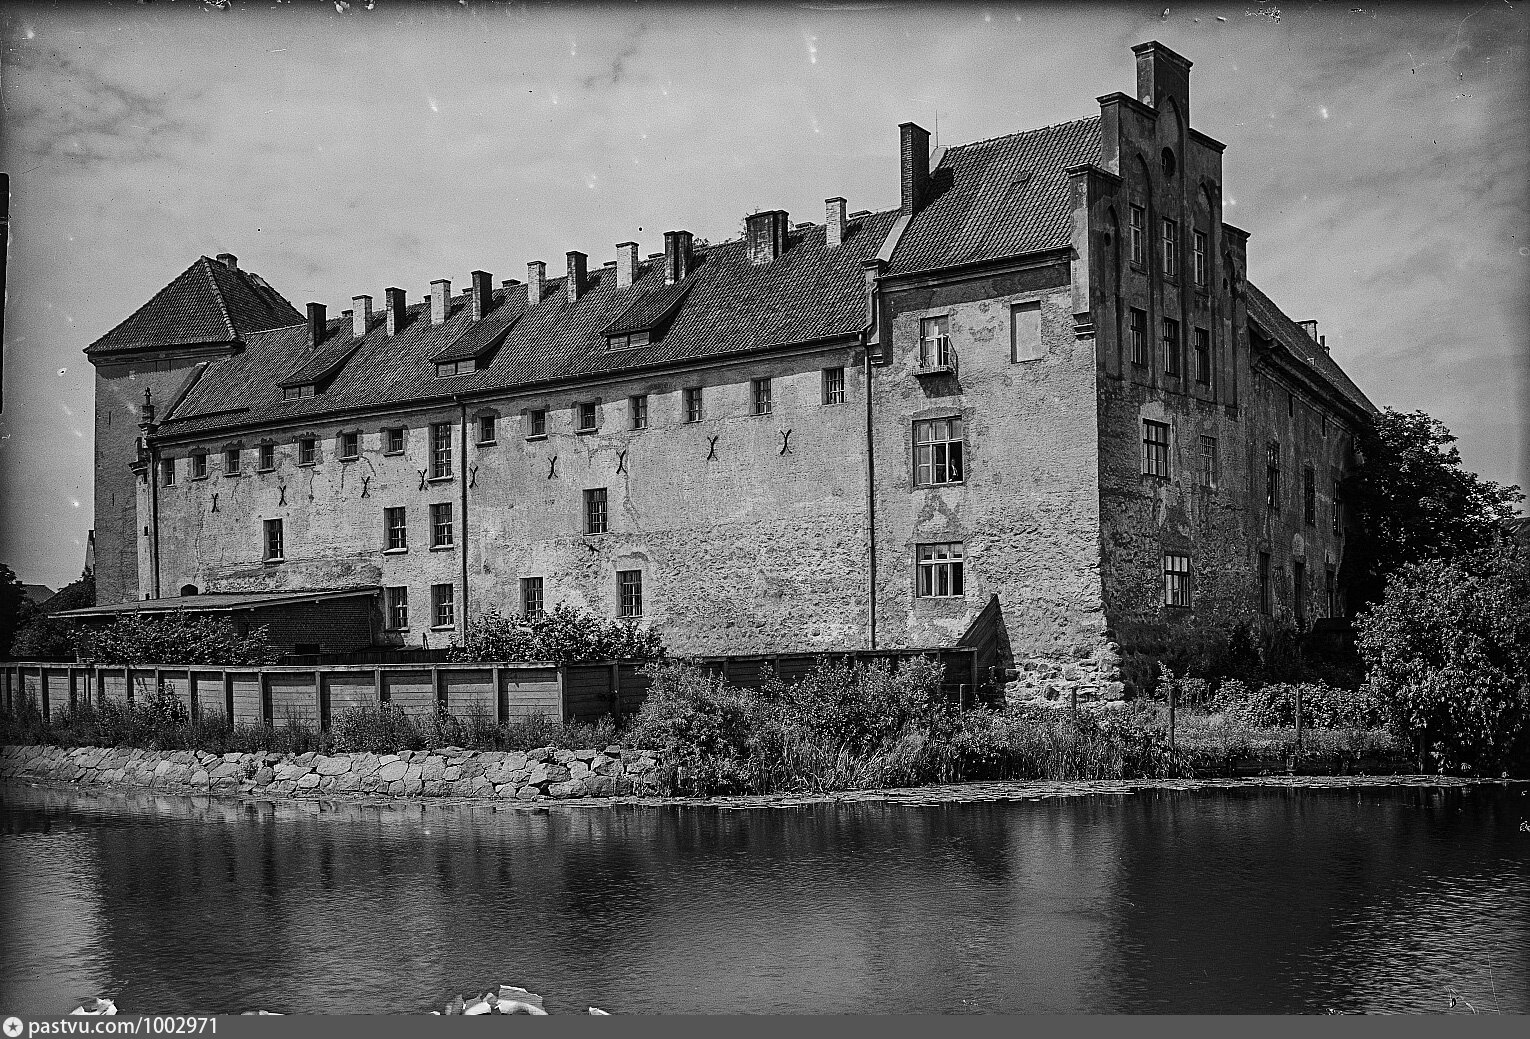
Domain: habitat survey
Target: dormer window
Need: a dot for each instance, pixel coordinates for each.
(446, 369)
(298, 392)
(628, 341)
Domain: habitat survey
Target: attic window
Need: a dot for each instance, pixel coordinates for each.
(307, 389)
(627, 342)
(446, 369)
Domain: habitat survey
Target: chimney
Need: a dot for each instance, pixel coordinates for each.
(626, 264)
(677, 256)
(765, 235)
(509, 283)
(361, 317)
(440, 300)
(834, 221)
(229, 260)
(576, 268)
(1163, 76)
(1323, 342)
(483, 293)
(315, 324)
(914, 165)
(536, 282)
(396, 304)
(1310, 327)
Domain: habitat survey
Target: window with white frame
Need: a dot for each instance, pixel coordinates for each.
(833, 385)
(396, 529)
(1176, 579)
(1138, 226)
(1201, 266)
(531, 597)
(441, 533)
(536, 423)
(199, 465)
(935, 342)
(691, 398)
(1155, 448)
(939, 570)
(760, 396)
(393, 441)
(595, 510)
(443, 605)
(167, 472)
(1170, 248)
(275, 549)
(398, 608)
(637, 410)
(630, 587)
(586, 417)
(308, 451)
(488, 429)
(266, 458)
(232, 458)
(938, 452)
(440, 450)
(1209, 464)
(350, 445)
(1138, 330)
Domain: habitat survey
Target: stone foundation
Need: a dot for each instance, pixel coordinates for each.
(547, 773)
(1049, 680)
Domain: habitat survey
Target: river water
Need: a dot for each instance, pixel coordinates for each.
(1209, 901)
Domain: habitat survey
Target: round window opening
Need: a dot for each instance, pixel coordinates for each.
(1169, 165)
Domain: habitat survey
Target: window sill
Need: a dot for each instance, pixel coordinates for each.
(197, 479)
(596, 533)
(394, 551)
(350, 458)
(488, 443)
(537, 436)
(937, 486)
(441, 479)
(307, 465)
(938, 598)
(272, 561)
(396, 631)
(834, 403)
(233, 475)
(392, 454)
(443, 548)
(636, 429)
(270, 470)
(586, 432)
(443, 627)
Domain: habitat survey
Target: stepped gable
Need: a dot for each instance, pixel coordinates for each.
(811, 292)
(209, 302)
(1002, 197)
(1264, 313)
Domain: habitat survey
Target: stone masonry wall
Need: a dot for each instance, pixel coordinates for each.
(448, 772)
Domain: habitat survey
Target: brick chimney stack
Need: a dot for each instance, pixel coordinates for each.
(229, 260)
(316, 323)
(483, 293)
(914, 166)
(677, 256)
(361, 316)
(394, 300)
(626, 264)
(834, 221)
(440, 300)
(765, 235)
(574, 283)
(536, 282)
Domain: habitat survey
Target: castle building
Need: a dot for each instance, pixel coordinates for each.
(1040, 384)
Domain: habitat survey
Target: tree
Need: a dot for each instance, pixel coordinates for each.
(561, 634)
(46, 637)
(1410, 500)
(175, 638)
(1448, 650)
(15, 609)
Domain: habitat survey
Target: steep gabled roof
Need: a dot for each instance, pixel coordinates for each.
(209, 302)
(1263, 313)
(1002, 197)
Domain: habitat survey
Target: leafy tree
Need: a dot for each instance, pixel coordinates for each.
(15, 608)
(1448, 648)
(46, 637)
(1410, 499)
(176, 638)
(561, 634)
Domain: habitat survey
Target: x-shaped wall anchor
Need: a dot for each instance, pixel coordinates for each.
(621, 461)
(712, 448)
(786, 442)
(215, 503)
(422, 473)
(282, 489)
(365, 491)
(552, 467)
(472, 476)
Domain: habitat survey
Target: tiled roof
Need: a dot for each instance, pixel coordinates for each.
(1002, 197)
(221, 602)
(486, 336)
(1281, 329)
(209, 302)
(650, 310)
(811, 292)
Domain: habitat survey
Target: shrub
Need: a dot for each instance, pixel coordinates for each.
(701, 727)
(382, 729)
(563, 634)
(175, 638)
(1448, 648)
(1323, 706)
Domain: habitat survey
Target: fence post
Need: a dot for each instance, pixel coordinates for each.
(562, 698)
(42, 691)
(228, 697)
(377, 686)
(1173, 747)
(267, 709)
(1298, 719)
(73, 689)
(616, 690)
(499, 701)
(435, 688)
(318, 700)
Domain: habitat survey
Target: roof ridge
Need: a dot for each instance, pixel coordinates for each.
(1022, 133)
(228, 319)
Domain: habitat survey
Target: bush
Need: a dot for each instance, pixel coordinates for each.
(1323, 706)
(563, 634)
(175, 638)
(1448, 648)
(701, 727)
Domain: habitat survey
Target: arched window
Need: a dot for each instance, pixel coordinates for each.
(188, 589)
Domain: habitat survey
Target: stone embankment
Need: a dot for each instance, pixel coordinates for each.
(445, 772)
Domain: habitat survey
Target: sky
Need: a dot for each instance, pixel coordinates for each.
(1376, 153)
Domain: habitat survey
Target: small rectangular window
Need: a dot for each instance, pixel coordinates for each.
(1299, 590)
(938, 452)
(1176, 579)
(1209, 464)
(630, 586)
(350, 445)
(1201, 266)
(536, 423)
(586, 417)
(1170, 249)
(531, 597)
(935, 342)
(1139, 338)
(1265, 606)
(939, 570)
(692, 399)
(1272, 475)
(595, 511)
(440, 450)
(232, 459)
(441, 533)
(760, 394)
(1309, 496)
(1155, 448)
(637, 409)
(1203, 357)
(275, 550)
(443, 602)
(308, 451)
(1170, 346)
(266, 458)
(396, 528)
(393, 441)
(398, 608)
(487, 429)
(1138, 217)
(167, 472)
(199, 466)
(833, 385)
(1025, 333)
(1331, 592)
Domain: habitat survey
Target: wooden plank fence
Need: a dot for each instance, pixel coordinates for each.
(317, 694)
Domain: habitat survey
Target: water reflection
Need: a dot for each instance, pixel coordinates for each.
(1175, 901)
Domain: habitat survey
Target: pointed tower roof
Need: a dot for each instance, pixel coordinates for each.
(210, 302)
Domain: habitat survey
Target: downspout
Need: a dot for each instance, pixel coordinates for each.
(463, 438)
(872, 322)
(154, 517)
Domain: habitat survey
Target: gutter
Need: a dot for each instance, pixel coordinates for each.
(463, 440)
